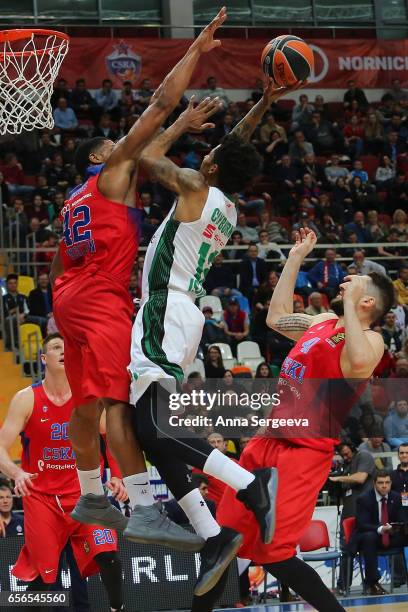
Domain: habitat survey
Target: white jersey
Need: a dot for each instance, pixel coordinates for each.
(168, 326)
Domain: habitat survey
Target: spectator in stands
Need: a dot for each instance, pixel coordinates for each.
(396, 424)
(362, 194)
(127, 99)
(399, 476)
(144, 95)
(358, 226)
(213, 91)
(353, 133)
(105, 128)
(327, 274)
(220, 279)
(253, 272)
(237, 323)
(267, 288)
(11, 523)
(64, 117)
(316, 171)
(354, 93)
(298, 306)
(213, 364)
(57, 175)
(15, 310)
(274, 151)
(391, 333)
(369, 423)
(299, 147)
(397, 124)
(401, 369)
(105, 97)
(398, 94)
(276, 231)
(359, 171)
(302, 113)
(324, 136)
(401, 285)
(37, 209)
(342, 199)
(376, 446)
(267, 248)
(385, 172)
(235, 240)
(315, 304)
(40, 301)
(269, 126)
(308, 189)
(222, 128)
(400, 225)
(13, 175)
(43, 189)
(81, 100)
(398, 194)
(373, 135)
(249, 234)
(393, 146)
(213, 330)
(60, 91)
(366, 266)
(375, 511)
(334, 171)
(377, 231)
(176, 513)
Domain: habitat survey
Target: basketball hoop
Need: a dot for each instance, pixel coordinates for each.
(29, 64)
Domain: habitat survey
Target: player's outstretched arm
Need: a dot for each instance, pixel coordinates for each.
(246, 127)
(18, 414)
(114, 179)
(280, 314)
(160, 167)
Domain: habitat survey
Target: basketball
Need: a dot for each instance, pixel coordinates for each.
(287, 60)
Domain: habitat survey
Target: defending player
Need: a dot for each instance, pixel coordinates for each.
(168, 327)
(331, 350)
(93, 310)
(48, 482)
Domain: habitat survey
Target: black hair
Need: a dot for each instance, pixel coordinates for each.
(403, 444)
(381, 474)
(11, 277)
(84, 150)
(48, 339)
(238, 163)
(197, 479)
(385, 287)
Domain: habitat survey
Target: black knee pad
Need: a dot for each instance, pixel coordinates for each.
(108, 559)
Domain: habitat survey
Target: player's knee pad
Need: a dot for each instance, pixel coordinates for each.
(108, 559)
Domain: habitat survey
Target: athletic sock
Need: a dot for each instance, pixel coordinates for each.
(222, 467)
(199, 514)
(91, 481)
(139, 490)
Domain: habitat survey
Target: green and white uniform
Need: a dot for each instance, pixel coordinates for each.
(168, 326)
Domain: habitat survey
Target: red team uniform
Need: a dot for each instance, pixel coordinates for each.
(47, 522)
(92, 306)
(303, 463)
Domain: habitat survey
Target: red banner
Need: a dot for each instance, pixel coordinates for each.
(236, 64)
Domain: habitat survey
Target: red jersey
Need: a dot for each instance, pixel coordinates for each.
(313, 391)
(98, 234)
(47, 450)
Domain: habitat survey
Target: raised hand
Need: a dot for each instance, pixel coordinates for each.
(304, 244)
(272, 92)
(205, 41)
(195, 118)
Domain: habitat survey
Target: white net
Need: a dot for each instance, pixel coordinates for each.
(28, 69)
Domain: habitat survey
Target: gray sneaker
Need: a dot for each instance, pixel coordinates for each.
(97, 510)
(150, 525)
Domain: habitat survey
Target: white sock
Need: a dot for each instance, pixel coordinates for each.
(222, 467)
(199, 515)
(91, 481)
(139, 490)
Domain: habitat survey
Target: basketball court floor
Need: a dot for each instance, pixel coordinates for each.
(387, 603)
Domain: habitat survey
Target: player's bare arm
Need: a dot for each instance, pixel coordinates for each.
(57, 267)
(246, 127)
(116, 175)
(363, 348)
(280, 315)
(19, 412)
(115, 484)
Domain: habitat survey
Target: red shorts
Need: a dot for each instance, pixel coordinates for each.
(93, 313)
(302, 472)
(47, 528)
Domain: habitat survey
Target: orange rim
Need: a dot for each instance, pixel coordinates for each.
(12, 35)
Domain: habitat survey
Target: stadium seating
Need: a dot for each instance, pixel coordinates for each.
(314, 538)
(249, 354)
(196, 366)
(25, 284)
(30, 340)
(213, 302)
(226, 353)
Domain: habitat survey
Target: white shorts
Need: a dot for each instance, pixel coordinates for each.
(165, 340)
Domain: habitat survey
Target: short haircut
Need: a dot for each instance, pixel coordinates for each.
(84, 150)
(384, 290)
(238, 163)
(381, 474)
(11, 277)
(403, 444)
(197, 479)
(48, 339)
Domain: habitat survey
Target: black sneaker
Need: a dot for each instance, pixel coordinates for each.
(216, 556)
(260, 497)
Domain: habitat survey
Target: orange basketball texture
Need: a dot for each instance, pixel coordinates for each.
(287, 60)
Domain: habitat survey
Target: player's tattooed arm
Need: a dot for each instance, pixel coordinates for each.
(293, 323)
